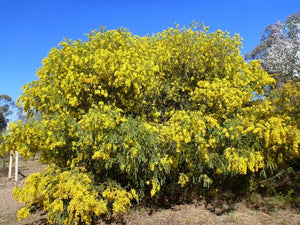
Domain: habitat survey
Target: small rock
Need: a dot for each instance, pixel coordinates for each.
(225, 206)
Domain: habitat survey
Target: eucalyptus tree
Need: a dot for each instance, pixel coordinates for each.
(279, 48)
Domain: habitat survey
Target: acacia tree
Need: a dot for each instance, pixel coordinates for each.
(120, 118)
(279, 49)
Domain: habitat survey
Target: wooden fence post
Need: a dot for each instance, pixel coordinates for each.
(17, 166)
(11, 158)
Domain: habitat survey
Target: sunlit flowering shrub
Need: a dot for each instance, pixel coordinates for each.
(124, 117)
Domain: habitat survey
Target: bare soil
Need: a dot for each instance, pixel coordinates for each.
(186, 214)
(8, 205)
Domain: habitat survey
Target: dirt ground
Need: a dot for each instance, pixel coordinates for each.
(8, 206)
(187, 214)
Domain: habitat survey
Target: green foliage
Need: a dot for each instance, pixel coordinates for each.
(5, 110)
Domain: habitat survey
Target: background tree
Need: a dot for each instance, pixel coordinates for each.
(279, 49)
(6, 104)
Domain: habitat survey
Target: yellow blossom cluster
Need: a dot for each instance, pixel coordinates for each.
(120, 199)
(183, 179)
(240, 162)
(61, 192)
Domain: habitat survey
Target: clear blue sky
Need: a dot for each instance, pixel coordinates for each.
(30, 28)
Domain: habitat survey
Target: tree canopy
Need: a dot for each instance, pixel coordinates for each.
(5, 110)
(279, 49)
(120, 118)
